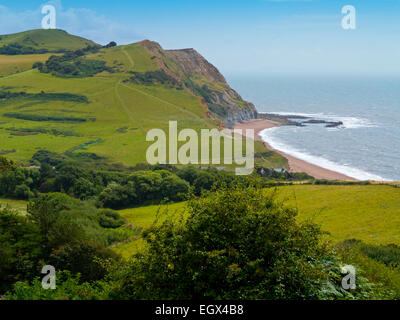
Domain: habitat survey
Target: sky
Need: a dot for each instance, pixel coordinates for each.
(239, 37)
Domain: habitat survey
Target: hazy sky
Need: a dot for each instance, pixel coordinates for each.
(248, 36)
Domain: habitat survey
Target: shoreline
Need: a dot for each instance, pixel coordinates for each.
(295, 164)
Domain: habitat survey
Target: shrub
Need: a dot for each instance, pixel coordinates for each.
(68, 287)
(111, 219)
(237, 243)
(154, 77)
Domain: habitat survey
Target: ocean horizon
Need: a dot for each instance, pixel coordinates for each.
(365, 147)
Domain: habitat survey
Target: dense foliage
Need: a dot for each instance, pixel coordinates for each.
(74, 64)
(87, 176)
(154, 77)
(69, 287)
(16, 48)
(59, 231)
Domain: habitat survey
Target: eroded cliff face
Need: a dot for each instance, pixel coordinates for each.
(224, 103)
(192, 63)
(204, 80)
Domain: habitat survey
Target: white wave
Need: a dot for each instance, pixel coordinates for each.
(348, 122)
(267, 136)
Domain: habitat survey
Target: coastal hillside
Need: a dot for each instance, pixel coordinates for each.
(203, 79)
(104, 100)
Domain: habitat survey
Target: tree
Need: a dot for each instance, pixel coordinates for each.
(111, 44)
(20, 248)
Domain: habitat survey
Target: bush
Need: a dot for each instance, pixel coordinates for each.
(20, 248)
(68, 287)
(154, 77)
(237, 243)
(73, 64)
(110, 45)
(111, 219)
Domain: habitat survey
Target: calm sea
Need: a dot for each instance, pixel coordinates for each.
(367, 146)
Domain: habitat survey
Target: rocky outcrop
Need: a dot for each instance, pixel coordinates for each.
(224, 103)
(236, 115)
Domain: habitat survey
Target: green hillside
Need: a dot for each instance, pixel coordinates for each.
(61, 112)
(51, 40)
(367, 213)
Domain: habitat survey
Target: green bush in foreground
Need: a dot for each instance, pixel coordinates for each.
(238, 243)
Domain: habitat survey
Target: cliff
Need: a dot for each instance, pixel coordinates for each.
(203, 80)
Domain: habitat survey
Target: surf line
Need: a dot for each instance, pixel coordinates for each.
(86, 144)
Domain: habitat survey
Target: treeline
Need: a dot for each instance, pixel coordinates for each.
(73, 64)
(86, 176)
(340, 182)
(16, 49)
(159, 77)
(40, 117)
(107, 186)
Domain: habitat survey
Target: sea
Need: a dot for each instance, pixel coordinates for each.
(365, 147)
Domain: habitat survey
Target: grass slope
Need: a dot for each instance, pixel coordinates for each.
(52, 40)
(368, 213)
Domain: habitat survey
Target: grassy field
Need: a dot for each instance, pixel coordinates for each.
(368, 213)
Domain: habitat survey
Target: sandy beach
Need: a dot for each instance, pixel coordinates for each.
(295, 164)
